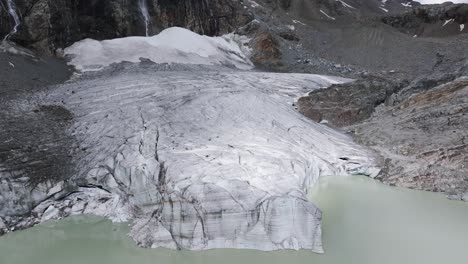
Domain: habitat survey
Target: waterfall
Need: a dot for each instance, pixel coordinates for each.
(144, 12)
(11, 8)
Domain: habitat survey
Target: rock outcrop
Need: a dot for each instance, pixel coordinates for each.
(419, 129)
(423, 139)
(346, 104)
(266, 49)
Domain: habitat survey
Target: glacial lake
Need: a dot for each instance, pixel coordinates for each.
(363, 222)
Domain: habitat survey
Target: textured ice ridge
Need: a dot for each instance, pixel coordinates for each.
(202, 159)
(173, 45)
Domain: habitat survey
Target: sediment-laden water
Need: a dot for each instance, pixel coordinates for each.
(363, 222)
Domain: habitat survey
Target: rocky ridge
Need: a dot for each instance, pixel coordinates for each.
(419, 129)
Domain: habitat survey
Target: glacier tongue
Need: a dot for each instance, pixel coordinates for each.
(206, 158)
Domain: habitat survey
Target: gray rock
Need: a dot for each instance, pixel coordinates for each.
(423, 139)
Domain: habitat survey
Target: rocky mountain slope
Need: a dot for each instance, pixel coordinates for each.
(423, 139)
(326, 36)
(433, 21)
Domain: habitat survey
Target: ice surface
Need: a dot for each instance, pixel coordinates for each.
(298, 22)
(202, 158)
(173, 45)
(198, 156)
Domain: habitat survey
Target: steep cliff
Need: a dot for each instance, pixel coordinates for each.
(50, 24)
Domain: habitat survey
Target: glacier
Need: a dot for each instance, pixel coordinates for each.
(199, 155)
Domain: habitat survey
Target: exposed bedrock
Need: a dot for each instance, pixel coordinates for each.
(420, 128)
(423, 139)
(346, 104)
(198, 158)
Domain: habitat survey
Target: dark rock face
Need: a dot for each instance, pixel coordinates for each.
(349, 103)
(419, 129)
(266, 49)
(51, 24)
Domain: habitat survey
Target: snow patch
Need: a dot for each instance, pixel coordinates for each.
(384, 9)
(298, 22)
(407, 4)
(173, 45)
(447, 21)
(330, 17)
(345, 4)
(462, 26)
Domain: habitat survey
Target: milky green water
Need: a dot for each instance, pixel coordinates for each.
(363, 222)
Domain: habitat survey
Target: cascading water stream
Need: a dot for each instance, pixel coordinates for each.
(11, 9)
(144, 12)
